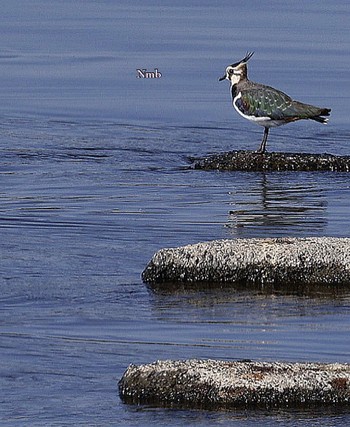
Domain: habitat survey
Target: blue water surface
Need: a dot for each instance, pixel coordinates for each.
(95, 178)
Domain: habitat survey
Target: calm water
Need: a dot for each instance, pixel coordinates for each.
(95, 178)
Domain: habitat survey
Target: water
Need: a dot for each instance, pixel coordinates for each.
(95, 178)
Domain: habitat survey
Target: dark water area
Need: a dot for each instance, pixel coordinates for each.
(95, 178)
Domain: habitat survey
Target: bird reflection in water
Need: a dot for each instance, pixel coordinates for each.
(278, 205)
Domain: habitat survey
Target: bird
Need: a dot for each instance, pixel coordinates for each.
(265, 105)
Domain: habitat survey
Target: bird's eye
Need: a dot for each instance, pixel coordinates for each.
(230, 71)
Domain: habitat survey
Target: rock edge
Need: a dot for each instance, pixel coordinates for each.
(252, 161)
(321, 261)
(213, 384)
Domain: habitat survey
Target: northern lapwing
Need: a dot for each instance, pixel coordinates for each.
(264, 105)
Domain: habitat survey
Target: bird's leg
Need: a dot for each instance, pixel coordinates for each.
(263, 142)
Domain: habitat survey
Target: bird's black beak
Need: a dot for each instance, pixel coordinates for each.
(222, 78)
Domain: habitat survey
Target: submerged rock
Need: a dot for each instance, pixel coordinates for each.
(252, 161)
(323, 261)
(212, 384)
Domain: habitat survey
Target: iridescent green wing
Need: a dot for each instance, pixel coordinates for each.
(266, 102)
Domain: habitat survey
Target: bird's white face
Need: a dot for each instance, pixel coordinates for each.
(237, 71)
(234, 74)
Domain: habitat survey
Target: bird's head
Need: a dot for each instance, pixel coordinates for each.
(237, 71)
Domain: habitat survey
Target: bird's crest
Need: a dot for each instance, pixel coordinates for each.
(244, 60)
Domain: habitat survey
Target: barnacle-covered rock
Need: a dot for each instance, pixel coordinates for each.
(322, 261)
(213, 384)
(252, 161)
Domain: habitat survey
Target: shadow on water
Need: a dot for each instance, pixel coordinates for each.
(164, 299)
(273, 417)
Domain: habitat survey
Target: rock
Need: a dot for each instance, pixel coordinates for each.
(323, 261)
(253, 161)
(212, 384)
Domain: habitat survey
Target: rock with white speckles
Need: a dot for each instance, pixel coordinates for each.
(212, 384)
(252, 161)
(279, 262)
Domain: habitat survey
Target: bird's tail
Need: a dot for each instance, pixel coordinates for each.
(319, 118)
